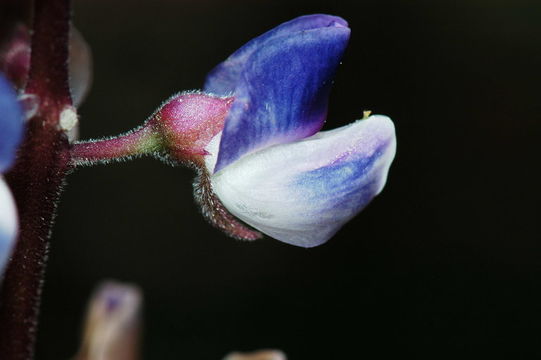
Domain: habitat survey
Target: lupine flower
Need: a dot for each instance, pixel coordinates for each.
(11, 128)
(253, 134)
(270, 167)
(264, 160)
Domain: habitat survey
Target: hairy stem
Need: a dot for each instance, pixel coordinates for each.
(143, 140)
(36, 180)
(36, 193)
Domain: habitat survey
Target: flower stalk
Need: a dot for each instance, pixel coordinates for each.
(134, 143)
(177, 132)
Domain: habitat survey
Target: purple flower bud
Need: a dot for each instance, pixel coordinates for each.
(15, 61)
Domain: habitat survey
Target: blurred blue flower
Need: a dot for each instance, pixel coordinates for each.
(270, 166)
(11, 129)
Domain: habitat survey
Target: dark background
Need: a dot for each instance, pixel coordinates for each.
(444, 263)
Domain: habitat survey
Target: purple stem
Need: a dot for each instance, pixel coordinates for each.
(36, 180)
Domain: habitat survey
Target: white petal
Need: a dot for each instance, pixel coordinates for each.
(302, 193)
(8, 224)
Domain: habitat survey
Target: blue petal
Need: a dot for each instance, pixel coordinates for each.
(11, 124)
(6, 244)
(281, 94)
(303, 192)
(223, 79)
(337, 192)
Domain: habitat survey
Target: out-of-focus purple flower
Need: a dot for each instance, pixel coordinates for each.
(270, 167)
(11, 128)
(15, 65)
(112, 326)
(15, 61)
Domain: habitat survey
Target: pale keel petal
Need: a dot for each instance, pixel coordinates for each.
(303, 192)
(8, 224)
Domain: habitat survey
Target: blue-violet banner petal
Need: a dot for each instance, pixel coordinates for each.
(223, 79)
(282, 93)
